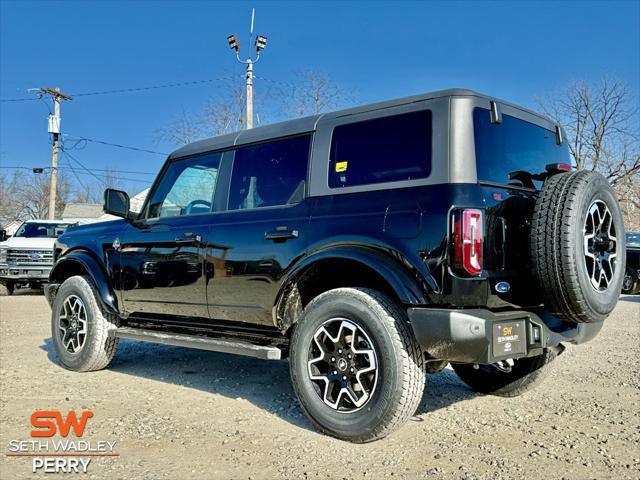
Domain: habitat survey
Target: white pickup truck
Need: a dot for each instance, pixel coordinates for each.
(27, 257)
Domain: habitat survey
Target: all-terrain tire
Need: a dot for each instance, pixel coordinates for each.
(99, 347)
(525, 374)
(7, 288)
(631, 284)
(558, 239)
(400, 362)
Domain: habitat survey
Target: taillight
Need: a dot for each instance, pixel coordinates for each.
(467, 240)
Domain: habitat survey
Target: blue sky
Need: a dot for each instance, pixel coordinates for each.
(518, 51)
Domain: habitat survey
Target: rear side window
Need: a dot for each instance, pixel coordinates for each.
(387, 149)
(514, 144)
(269, 174)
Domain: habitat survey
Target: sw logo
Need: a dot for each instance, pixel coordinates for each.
(48, 423)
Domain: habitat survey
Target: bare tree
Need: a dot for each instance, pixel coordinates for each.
(91, 190)
(225, 114)
(602, 125)
(601, 122)
(313, 92)
(310, 92)
(27, 196)
(182, 130)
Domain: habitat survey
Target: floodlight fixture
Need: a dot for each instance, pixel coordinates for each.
(261, 43)
(233, 43)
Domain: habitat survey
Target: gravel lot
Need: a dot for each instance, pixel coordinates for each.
(179, 413)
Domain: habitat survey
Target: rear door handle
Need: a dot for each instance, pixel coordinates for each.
(278, 235)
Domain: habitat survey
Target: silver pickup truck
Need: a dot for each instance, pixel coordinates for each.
(27, 257)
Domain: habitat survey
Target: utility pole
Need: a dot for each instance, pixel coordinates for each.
(260, 44)
(54, 129)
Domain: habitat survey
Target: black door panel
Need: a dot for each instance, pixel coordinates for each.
(247, 254)
(263, 233)
(162, 268)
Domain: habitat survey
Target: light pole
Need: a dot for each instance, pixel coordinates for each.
(260, 44)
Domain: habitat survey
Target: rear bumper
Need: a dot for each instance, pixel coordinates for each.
(480, 335)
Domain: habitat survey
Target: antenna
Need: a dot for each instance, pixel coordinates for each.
(253, 15)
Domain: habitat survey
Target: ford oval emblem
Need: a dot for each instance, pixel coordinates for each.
(503, 287)
(35, 256)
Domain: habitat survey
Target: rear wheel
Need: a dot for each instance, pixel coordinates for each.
(355, 365)
(508, 378)
(630, 283)
(80, 327)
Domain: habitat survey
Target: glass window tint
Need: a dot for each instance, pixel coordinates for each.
(269, 174)
(45, 230)
(381, 150)
(186, 188)
(514, 144)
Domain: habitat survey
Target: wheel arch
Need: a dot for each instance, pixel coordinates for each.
(349, 266)
(82, 262)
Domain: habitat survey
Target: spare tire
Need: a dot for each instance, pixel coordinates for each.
(577, 246)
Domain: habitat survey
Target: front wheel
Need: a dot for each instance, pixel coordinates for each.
(507, 378)
(8, 288)
(80, 327)
(355, 366)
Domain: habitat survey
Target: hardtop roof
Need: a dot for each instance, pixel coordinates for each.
(48, 221)
(308, 124)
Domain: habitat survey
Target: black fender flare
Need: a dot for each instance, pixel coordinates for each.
(400, 278)
(91, 265)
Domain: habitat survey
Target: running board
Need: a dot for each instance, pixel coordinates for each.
(200, 342)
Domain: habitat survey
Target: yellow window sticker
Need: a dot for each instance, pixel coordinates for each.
(341, 166)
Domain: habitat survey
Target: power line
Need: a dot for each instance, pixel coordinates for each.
(108, 170)
(152, 87)
(127, 90)
(97, 176)
(68, 155)
(75, 174)
(18, 99)
(137, 149)
(279, 82)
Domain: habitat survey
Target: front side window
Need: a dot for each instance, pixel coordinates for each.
(186, 188)
(386, 149)
(511, 146)
(269, 174)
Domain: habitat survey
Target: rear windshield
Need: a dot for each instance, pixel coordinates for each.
(387, 149)
(43, 230)
(514, 144)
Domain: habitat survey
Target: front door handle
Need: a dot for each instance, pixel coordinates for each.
(281, 235)
(189, 240)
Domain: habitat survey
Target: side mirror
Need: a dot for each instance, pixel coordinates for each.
(3, 235)
(116, 202)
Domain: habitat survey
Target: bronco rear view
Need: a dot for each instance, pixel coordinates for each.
(369, 246)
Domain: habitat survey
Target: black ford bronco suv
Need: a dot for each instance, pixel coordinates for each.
(369, 246)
